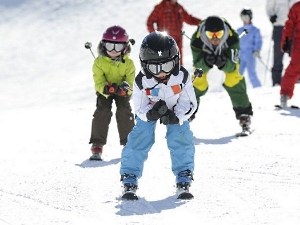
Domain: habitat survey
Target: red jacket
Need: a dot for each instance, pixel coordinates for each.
(292, 25)
(170, 17)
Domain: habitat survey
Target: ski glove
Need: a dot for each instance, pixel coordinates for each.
(110, 88)
(169, 118)
(286, 46)
(273, 18)
(256, 54)
(159, 109)
(209, 60)
(220, 61)
(123, 89)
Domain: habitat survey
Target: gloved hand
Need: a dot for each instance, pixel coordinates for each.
(159, 109)
(123, 89)
(110, 88)
(256, 54)
(273, 18)
(209, 60)
(169, 118)
(220, 61)
(286, 46)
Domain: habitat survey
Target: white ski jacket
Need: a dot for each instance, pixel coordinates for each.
(280, 8)
(178, 93)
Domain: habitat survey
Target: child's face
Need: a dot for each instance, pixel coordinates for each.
(162, 75)
(113, 54)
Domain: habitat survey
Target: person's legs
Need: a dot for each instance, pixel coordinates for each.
(277, 56)
(124, 118)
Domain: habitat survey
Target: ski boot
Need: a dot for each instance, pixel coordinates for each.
(183, 183)
(96, 152)
(129, 187)
(283, 100)
(245, 122)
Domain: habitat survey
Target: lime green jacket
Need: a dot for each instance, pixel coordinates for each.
(106, 70)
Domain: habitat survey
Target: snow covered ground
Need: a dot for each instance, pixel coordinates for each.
(46, 105)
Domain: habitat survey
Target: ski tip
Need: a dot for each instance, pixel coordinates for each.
(242, 134)
(185, 196)
(291, 107)
(129, 196)
(295, 107)
(277, 106)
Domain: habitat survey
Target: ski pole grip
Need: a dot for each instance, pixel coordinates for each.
(198, 72)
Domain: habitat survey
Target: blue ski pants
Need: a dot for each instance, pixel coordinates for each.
(142, 137)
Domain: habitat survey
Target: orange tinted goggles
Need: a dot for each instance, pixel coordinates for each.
(218, 34)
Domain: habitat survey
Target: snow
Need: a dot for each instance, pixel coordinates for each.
(46, 105)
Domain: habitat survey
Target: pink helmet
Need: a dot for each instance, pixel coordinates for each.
(115, 34)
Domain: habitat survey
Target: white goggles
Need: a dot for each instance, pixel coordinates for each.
(156, 68)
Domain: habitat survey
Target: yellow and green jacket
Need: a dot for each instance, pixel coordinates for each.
(229, 45)
(107, 70)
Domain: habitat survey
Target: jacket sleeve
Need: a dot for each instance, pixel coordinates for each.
(189, 19)
(290, 24)
(130, 74)
(232, 52)
(141, 102)
(153, 18)
(270, 8)
(187, 103)
(99, 76)
(197, 52)
(257, 40)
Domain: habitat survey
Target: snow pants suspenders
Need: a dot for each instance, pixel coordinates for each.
(140, 140)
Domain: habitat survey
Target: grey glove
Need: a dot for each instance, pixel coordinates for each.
(209, 60)
(220, 61)
(256, 54)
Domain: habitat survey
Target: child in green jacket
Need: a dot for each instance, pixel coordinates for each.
(113, 73)
(215, 43)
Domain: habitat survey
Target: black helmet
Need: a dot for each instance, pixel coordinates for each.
(247, 12)
(159, 47)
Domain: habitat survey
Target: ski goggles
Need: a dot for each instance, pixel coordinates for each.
(217, 34)
(110, 46)
(156, 68)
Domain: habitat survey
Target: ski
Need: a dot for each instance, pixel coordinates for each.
(183, 192)
(245, 132)
(186, 195)
(129, 196)
(129, 192)
(291, 107)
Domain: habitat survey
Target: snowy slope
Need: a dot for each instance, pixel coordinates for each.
(46, 105)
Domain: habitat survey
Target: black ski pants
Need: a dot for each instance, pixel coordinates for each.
(102, 118)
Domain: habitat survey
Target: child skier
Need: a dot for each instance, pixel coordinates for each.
(250, 45)
(114, 74)
(162, 91)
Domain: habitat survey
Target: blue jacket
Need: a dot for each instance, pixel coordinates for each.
(252, 41)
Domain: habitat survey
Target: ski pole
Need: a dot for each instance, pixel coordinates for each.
(197, 73)
(245, 31)
(182, 32)
(262, 62)
(88, 45)
(268, 59)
